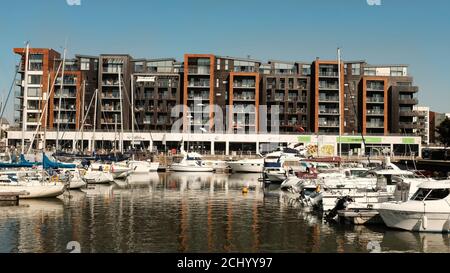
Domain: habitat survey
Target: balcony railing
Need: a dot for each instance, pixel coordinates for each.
(111, 82)
(66, 95)
(242, 97)
(408, 113)
(329, 111)
(199, 70)
(244, 84)
(328, 86)
(110, 96)
(329, 124)
(199, 84)
(375, 87)
(375, 99)
(328, 74)
(375, 112)
(408, 101)
(329, 99)
(374, 125)
(407, 125)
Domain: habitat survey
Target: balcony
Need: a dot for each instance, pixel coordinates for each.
(65, 108)
(199, 70)
(407, 125)
(329, 124)
(375, 99)
(375, 112)
(278, 98)
(65, 95)
(202, 84)
(413, 101)
(111, 108)
(408, 113)
(36, 66)
(329, 111)
(375, 87)
(110, 96)
(240, 84)
(328, 74)
(244, 97)
(328, 87)
(67, 81)
(110, 83)
(333, 99)
(410, 89)
(148, 121)
(296, 111)
(64, 120)
(374, 125)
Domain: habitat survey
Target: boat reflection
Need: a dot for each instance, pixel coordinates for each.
(405, 241)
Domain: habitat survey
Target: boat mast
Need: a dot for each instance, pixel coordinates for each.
(340, 100)
(121, 112)
(25, 97)
(60, 97)
(95, 120)
(115, 136)
(82, 117)
(132, 114)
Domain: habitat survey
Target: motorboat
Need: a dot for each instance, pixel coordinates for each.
(428, 210)
(219, 166)
(190, 162)
(142, 167)
(247, 165)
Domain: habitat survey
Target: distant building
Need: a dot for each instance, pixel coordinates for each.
(435, 120)
(423, 119)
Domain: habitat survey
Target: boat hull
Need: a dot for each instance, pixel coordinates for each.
(239, 167)
(394, 216)
(179, 168)
(36, 191)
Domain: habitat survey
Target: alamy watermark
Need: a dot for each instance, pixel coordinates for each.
(73, 2)
(74, 247)
(374, 2)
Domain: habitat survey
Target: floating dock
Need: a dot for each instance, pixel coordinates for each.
(11, 198)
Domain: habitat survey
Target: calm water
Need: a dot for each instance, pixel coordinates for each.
(190, 213)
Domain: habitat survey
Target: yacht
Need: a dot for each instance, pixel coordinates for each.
(97, 174)
(32, 183)
(428, 210)
(142, 167)
(190, 162)
(247, 165)
(120, 170)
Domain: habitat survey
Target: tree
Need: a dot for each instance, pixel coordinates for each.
(444, 134)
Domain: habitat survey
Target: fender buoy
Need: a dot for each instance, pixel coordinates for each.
(424, 222)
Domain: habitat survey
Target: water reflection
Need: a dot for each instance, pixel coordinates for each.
(190, 212)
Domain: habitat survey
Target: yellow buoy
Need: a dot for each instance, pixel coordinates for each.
(245, 190)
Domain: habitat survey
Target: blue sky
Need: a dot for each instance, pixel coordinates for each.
(399, 32)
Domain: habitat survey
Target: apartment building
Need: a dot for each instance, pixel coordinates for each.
(156, 87)
(114, 83)
(423, 119)
(220, 94)
(286, 86)
(33, 86)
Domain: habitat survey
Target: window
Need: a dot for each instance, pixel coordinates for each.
(306, 69)
(217, 82)
(34, 92)
(356, 69)
(34, 79)
(226, 64)
(218, 64)
(370, 71)
(85, 64)
(430, 194)
(345, 69)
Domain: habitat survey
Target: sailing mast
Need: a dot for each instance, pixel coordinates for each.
(82, 117)
(340, 100)
(60, 97)
(95, 121)
(25, 97)
(132, 114)
(121, 112)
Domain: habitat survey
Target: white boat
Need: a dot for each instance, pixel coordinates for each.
(427, 211)
(247, 165)
(217, 165)
(120, 170)
(97, 174)
(74, 178)
(34, 189)
(190, 162)
(142, 167)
